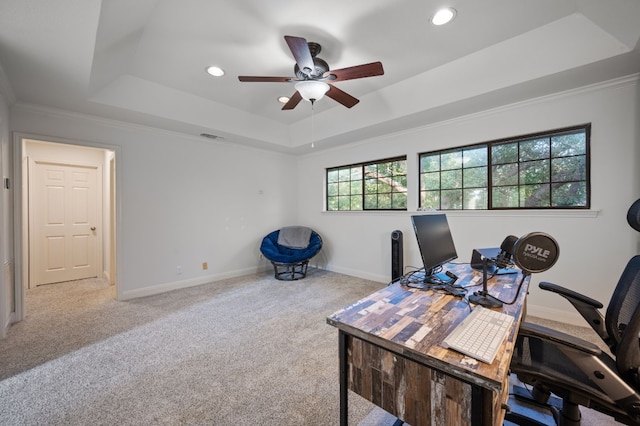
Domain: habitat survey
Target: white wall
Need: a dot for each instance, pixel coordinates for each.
(594, 246)
(181, 200)
(7, 306)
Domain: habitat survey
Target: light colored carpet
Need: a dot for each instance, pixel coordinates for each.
(243, 351)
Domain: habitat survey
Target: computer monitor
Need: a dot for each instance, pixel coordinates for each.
(435, 243)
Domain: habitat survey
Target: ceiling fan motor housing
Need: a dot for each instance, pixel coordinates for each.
(320, 65)
(320, 68)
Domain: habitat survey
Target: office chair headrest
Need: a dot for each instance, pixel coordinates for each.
(633, 215)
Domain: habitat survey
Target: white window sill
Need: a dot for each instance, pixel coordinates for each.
(591, 213)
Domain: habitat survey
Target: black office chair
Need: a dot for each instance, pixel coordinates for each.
(579, 372)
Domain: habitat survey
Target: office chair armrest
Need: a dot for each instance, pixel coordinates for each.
(528, 329)
(570, 294)
(586, 306)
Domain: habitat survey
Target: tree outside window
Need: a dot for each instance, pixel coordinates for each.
(548, 170)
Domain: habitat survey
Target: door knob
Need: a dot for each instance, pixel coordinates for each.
(93, 228)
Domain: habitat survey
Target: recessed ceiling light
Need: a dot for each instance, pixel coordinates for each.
(283, 99)
(443, 16)
(215, 71)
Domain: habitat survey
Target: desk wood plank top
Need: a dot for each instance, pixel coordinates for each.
(413, 323)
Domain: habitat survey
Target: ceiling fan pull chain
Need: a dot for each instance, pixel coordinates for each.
(312, 136)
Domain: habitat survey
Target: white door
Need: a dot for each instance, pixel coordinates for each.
(63, 212)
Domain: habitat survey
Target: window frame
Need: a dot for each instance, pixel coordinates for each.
(490, 185)
(363, 190)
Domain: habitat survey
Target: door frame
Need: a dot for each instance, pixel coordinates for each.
(21, 220)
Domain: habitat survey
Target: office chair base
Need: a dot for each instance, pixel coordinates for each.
(569, 415)
(535, 396)
(564, 413)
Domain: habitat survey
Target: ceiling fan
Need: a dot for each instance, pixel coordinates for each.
(313, 76)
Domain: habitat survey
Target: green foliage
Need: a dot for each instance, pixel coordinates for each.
(535, 196)
(451, 199)
(399, 200)
(475, 157)
(430, 199)
(569, 144)
(430, 181)
(475, 177)
(504, 153)
(569, 194)
(475, 199)
(568, 169)
(451, 179)
(451, 160)
(505, 174)
(534, 172)
(375, 186)
(504, 197)
(535, 149)
(522, 174)
(430, 163)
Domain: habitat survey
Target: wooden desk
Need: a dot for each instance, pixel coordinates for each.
(390, 353)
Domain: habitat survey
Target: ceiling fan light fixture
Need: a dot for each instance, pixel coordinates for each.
(443, 16)
(283, 99)
(312, 90)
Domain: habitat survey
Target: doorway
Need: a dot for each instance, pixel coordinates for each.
(67, 214)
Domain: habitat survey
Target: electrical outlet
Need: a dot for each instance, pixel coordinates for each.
(205, 266)
(178, 270)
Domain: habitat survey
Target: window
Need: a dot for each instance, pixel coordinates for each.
(545, 170)
(378, 185)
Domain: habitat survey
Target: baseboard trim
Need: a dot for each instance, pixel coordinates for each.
(567, 317)
(192, 282)
(358, 273)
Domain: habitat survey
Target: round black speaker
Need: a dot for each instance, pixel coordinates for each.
(396, 235)
(536, 252)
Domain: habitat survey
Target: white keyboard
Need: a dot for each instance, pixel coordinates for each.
(480, 334)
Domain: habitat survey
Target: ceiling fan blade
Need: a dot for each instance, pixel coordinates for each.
(300, 50)
(341, 96)
(245, 78)
(358, 71)
(294, 100)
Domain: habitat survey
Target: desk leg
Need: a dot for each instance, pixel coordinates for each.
(477, 405)
(344, 391)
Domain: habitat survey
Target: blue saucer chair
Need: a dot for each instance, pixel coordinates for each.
(289, 250)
